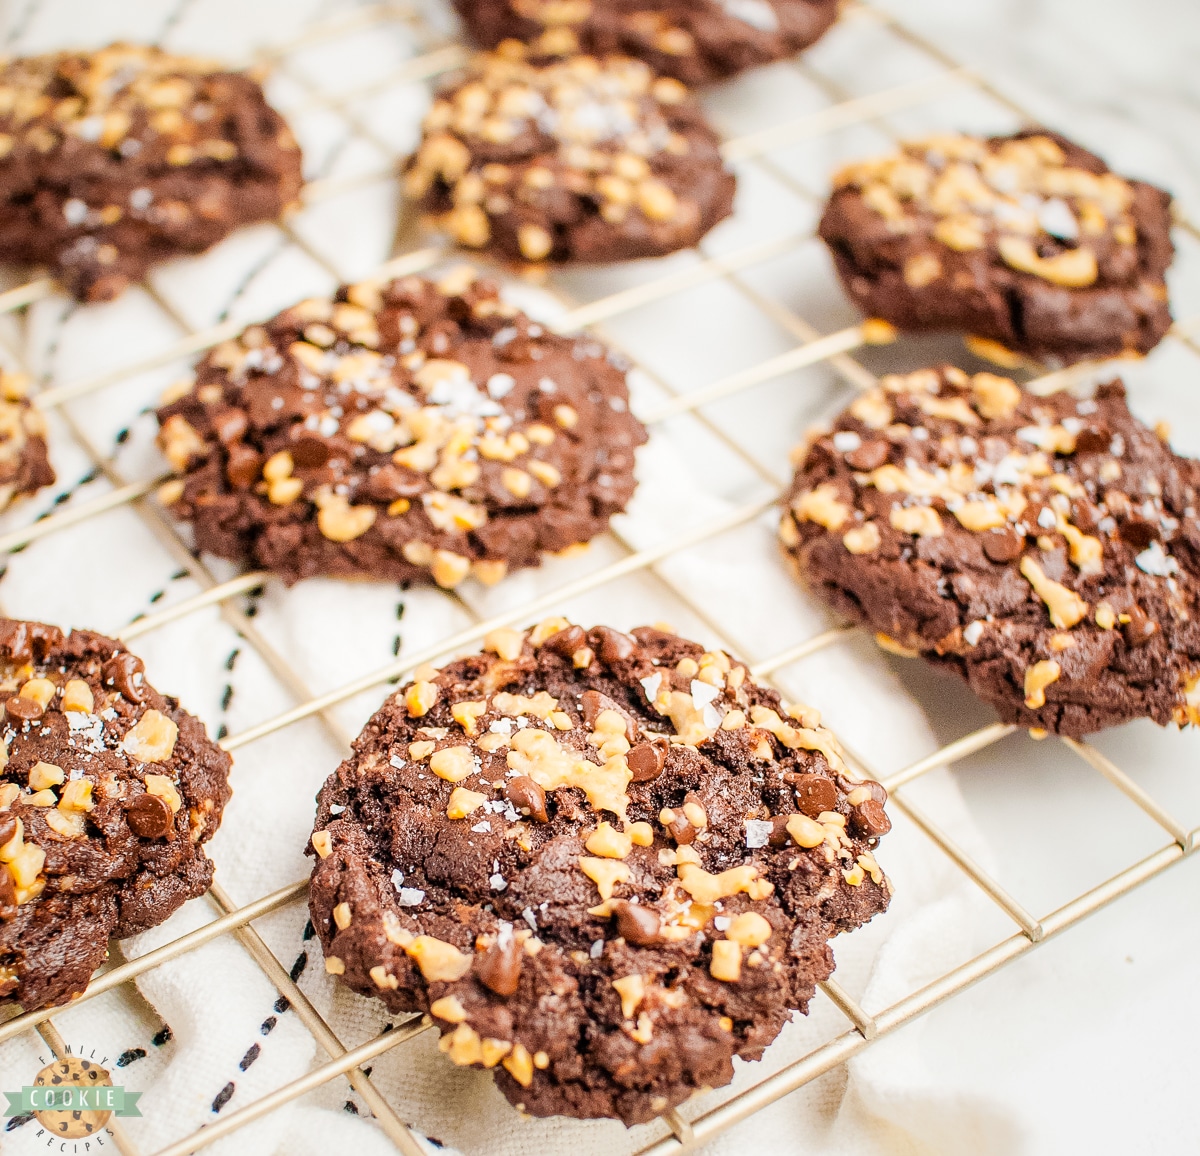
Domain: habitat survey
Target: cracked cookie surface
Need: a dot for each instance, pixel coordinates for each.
(605, 863)
(1026, 241)
(698, 42)
(1046, 549)
(410, 430)
(113, 160)
(108, 792)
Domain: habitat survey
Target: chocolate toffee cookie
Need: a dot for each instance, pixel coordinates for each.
(606, 864)
(108, 791)
(24, 464)
(401, 431)
(1027, 241)
(1047, 549)
(577, 160)
(696, 41)
(113, 160)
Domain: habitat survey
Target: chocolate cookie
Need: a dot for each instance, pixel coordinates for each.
(24, 464)
(409, 430)
(696, 41)
(1027, 240)
(113, 160)
(605, 864)
(577, 160)
(1047, 549)
(108, 790)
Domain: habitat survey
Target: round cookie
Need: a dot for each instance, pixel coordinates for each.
(411, 430)
(113, 160)
(24, 463)
(606, 864)
(1046, 549)
(1028, 241)
(108, 792)
(696, 41)
(580, 159)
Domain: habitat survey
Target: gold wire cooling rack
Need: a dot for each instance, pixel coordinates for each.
(764, 150)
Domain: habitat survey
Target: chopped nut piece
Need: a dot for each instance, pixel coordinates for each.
(632, 990)
(822, 506)
(608, 843)
(923, 521)
(43, 775)
(448, 1008)
(463, 803)
(1065, 606)
(419, 698)
(605, 873)
(382, 979)
(322, 843)
(39, 690)
(805, 832)
(77, 696)
(77, 796)
(863, 539)
(467, 714)
(342, 916)
(152, 738)
(68, 824)
(749, 930)
(1037, 678)
(726, 961)
(519, 1064)
(439, 962)
(452, 763)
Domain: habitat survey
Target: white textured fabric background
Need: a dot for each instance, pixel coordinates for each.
(1052, 1055)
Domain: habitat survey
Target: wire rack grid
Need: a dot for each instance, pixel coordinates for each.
(751, 269)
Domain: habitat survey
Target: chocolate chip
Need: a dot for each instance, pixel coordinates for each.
(870, 819)
(869, 456)
(500, 968)
(1003, 545)
(124, 671)
(8, 892)
(681, 830)
(637, 924)
(566, 642)
(1140, 628)
(594, 702)
(647, 760)
(779, 836)
(1092, 441)
(8, 828)
(243, 466)
(1138, 533)
(149, 817)
(23, 710)
(527, 797)
(310, 453)
(611, 646)
(814, 793)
